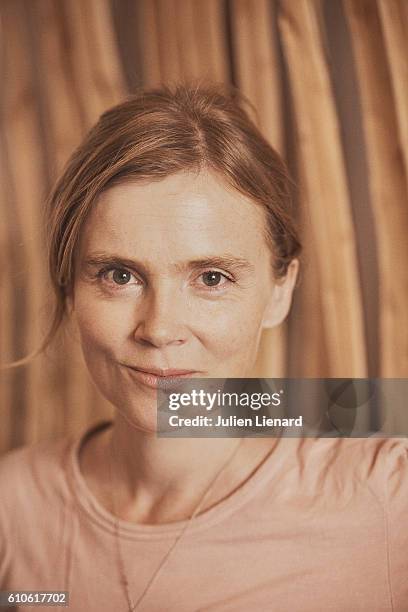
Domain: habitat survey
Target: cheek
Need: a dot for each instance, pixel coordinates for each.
(236, 329)
(101, 327)
(102, 333)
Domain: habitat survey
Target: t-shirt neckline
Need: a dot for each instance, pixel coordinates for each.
(107, 521)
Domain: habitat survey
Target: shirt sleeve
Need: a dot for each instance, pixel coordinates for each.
(5, 553)
(397, 522)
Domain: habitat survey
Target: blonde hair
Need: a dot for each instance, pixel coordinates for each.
(149, 136)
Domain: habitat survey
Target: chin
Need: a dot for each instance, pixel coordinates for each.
(139, 421)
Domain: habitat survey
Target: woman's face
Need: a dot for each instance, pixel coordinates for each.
(174, 274)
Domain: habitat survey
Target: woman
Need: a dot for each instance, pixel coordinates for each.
(172, 245)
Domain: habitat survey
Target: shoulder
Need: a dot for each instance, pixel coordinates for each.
(36, 476)
(344, 467)
(373, 457)
(360, 488)
(33, 495)
(32, 476)
(27, 460)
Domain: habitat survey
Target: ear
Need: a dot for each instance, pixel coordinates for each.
(281, 298)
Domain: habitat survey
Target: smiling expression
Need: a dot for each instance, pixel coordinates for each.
(170, 275)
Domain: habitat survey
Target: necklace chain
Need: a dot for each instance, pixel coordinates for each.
(122, 568)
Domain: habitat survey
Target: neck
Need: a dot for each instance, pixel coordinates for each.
(166, 477)
(160, 480)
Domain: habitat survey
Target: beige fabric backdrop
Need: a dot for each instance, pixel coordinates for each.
(329, 81)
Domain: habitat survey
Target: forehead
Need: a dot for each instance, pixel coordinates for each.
(182, 214)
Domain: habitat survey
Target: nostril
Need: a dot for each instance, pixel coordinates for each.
(157, 340)
(159, 319)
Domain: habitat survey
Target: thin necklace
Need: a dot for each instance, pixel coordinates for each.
(122, 569)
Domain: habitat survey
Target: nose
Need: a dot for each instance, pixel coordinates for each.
(160, 318)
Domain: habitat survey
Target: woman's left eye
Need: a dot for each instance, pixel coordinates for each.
(216, 279)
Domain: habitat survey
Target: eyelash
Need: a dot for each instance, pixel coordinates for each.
(216, 288)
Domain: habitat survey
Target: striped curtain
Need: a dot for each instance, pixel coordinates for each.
(329, 82)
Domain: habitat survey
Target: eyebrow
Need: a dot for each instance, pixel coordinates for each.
(220, 261)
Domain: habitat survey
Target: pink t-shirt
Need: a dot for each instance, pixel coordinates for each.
(322, 525)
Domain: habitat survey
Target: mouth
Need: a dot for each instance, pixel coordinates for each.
(157, 378)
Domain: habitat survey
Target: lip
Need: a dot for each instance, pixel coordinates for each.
(164, 373)
(157, 378)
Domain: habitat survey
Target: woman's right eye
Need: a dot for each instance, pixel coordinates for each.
(117, 276)
(121, 277)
